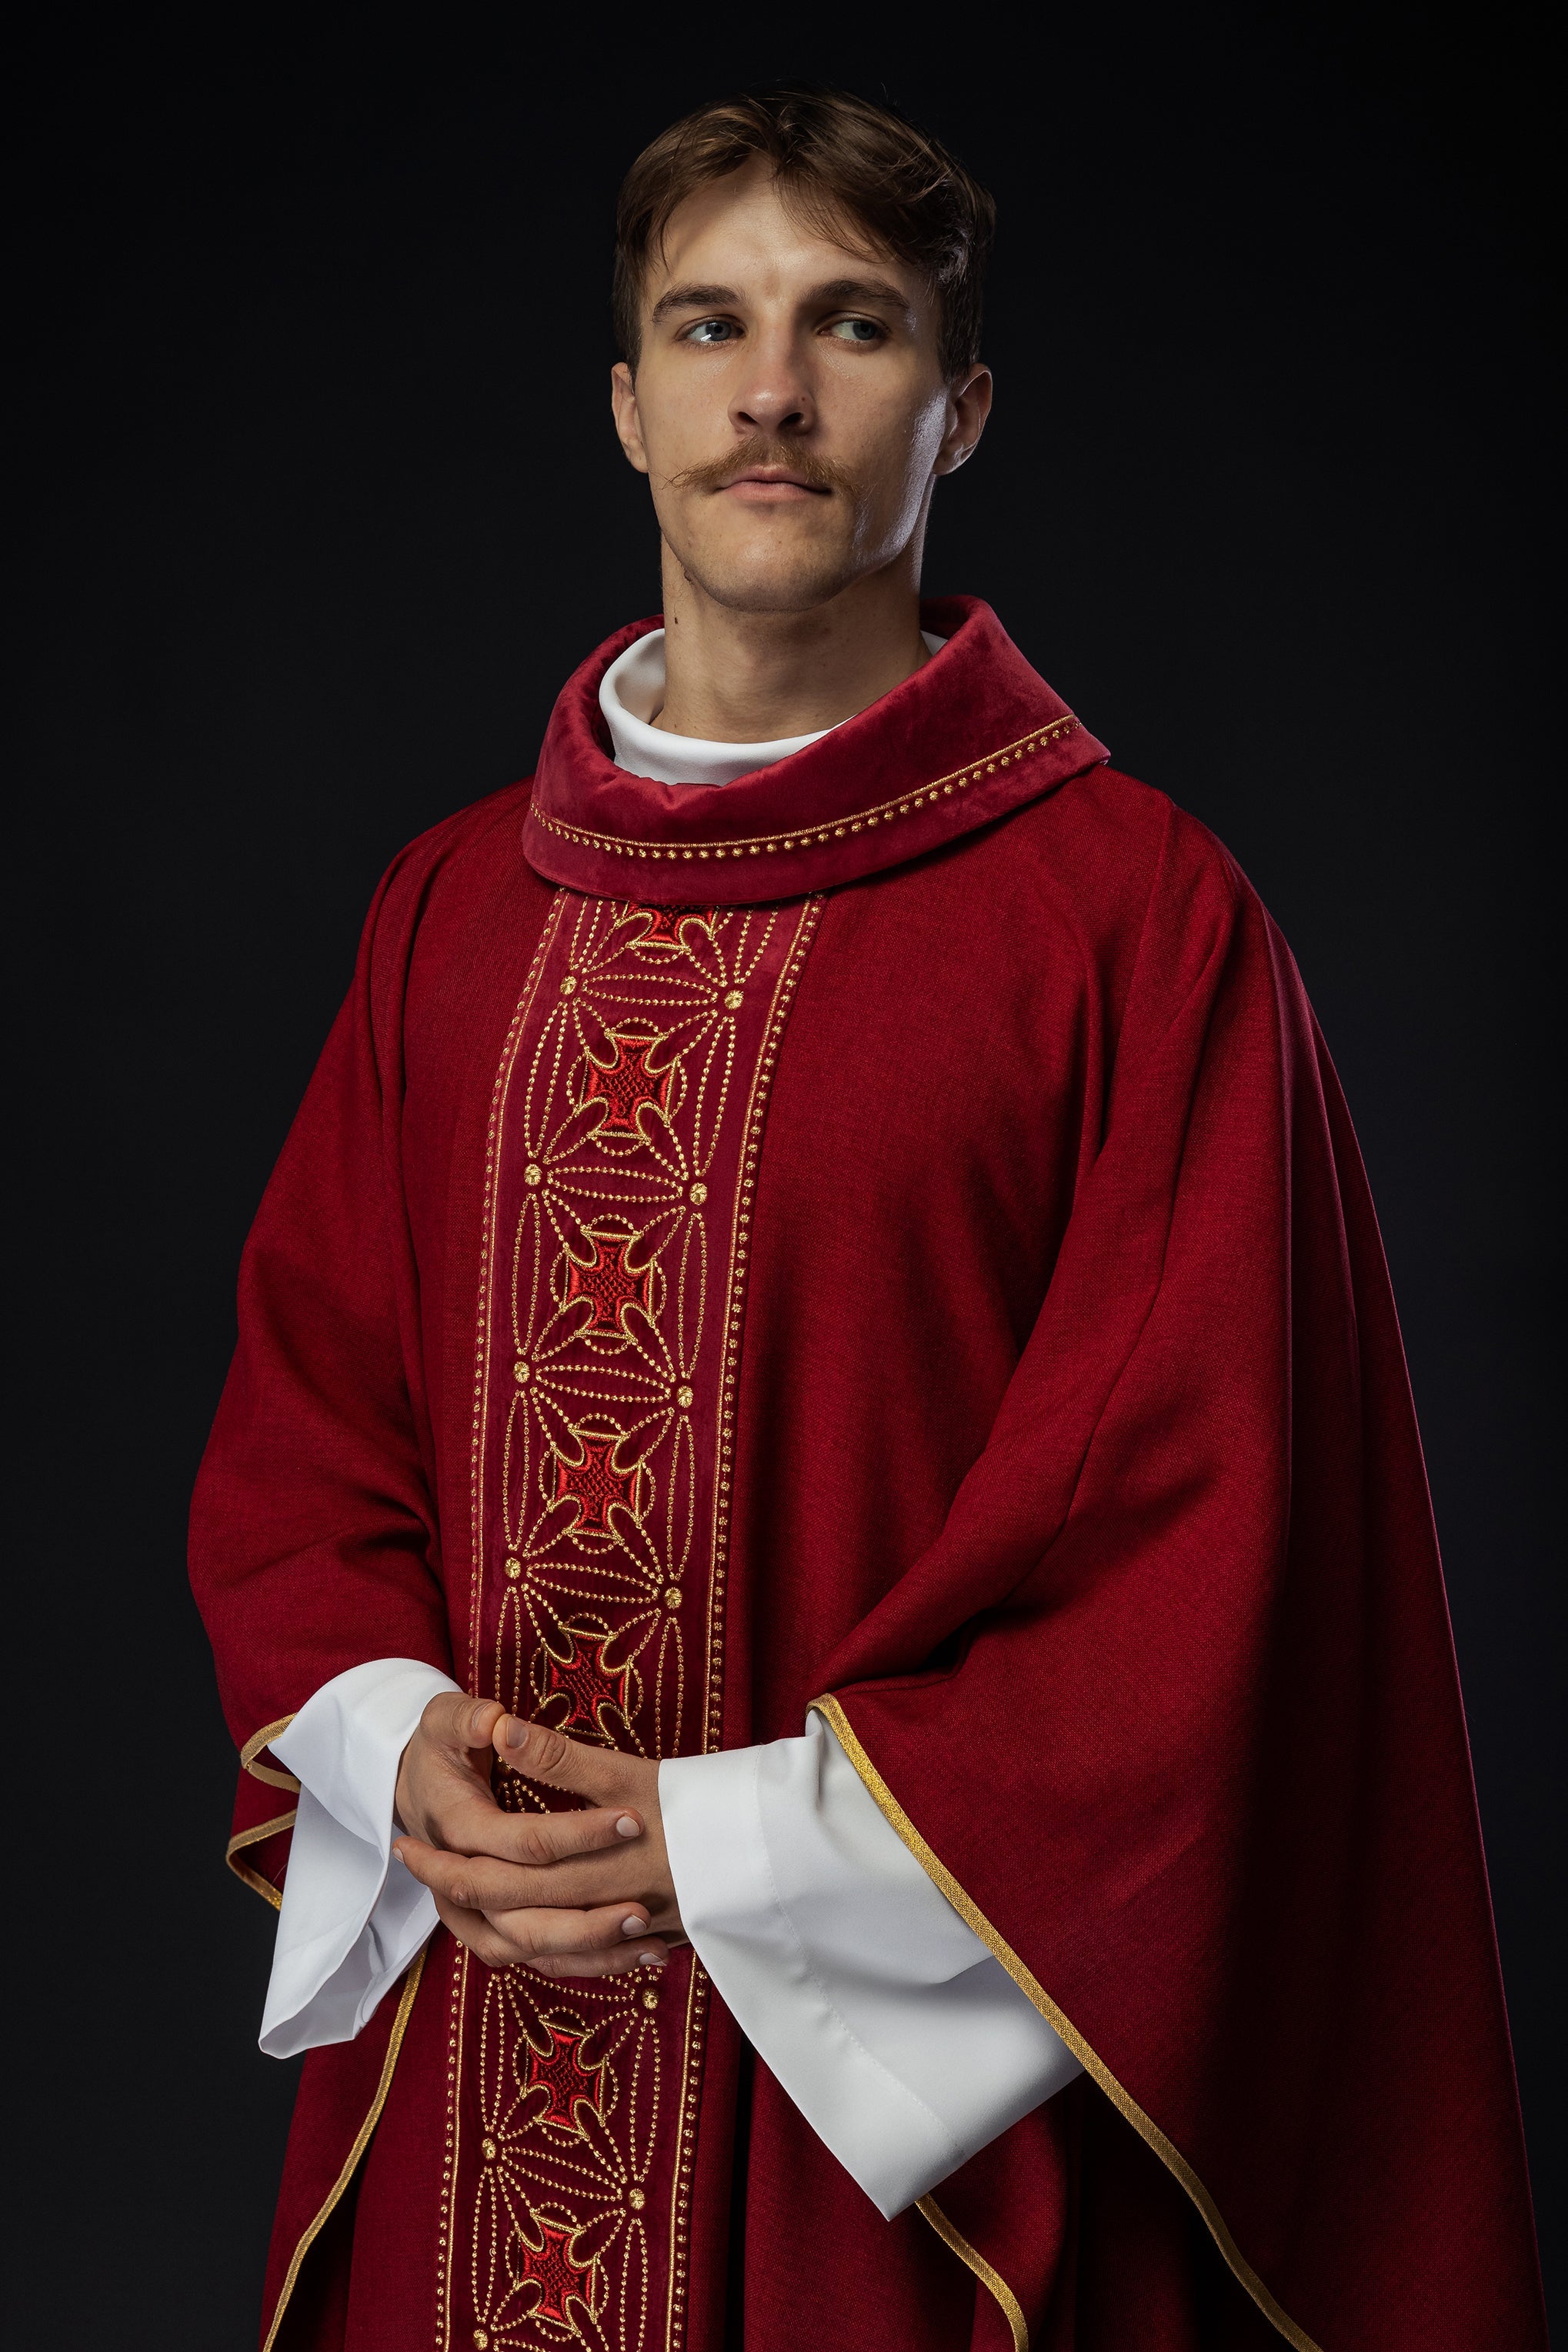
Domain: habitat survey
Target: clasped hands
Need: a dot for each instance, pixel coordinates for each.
(582, 1894)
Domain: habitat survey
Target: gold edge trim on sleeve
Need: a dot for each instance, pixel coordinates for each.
(906, 803)
(253, 1878)
(399, 2026)
(253, 1748)
(1012, 2309)
(1092, 2064)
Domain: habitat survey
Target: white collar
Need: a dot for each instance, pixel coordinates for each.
(632, 690)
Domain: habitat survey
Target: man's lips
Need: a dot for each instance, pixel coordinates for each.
(771, 482)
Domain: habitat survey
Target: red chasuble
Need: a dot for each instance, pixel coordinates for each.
(883, 1235)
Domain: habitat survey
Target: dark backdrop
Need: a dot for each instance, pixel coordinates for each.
(320, 505)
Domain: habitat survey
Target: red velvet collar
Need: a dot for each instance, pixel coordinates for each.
(974, 733)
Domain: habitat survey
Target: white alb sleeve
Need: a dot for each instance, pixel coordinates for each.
(352, 1918)
(902, 2040)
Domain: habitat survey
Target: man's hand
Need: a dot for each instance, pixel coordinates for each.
(572, 1893)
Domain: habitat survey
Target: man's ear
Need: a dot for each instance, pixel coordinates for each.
(628, 424)
(968, 407)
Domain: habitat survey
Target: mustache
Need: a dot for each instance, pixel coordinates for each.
(816, 473)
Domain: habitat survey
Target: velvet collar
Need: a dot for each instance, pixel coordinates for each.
(974, 734)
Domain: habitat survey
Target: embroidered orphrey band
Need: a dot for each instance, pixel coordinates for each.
(623, 1144)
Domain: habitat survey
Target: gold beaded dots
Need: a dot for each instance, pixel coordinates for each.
(532, 1175)
(816, 837)
(750, 1148)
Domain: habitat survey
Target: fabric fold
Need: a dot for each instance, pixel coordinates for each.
(351, 1919)
(903, 2041)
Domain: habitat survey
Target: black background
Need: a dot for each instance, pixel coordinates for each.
(319, 505)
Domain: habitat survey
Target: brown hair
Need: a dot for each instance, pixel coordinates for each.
(836, 156)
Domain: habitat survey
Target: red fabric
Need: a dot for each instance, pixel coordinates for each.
(927, 763)
(1073, 1451)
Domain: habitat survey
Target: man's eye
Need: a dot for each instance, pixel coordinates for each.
(711, 330)
(856, 331)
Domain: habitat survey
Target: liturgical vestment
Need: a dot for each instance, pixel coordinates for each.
(882, 1238)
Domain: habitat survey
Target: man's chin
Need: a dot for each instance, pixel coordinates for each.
(770, 584)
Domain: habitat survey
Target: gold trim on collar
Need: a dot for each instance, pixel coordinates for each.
(1093, 2065)
(616, 845)
(1012, 2309)
(399, 2026)
(274, 1828)
(253, 1748)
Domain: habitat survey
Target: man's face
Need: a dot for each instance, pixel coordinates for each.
(789, 405)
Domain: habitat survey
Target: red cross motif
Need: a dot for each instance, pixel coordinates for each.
(629, 1084)
(565, 2078)
(553, 2267)
(608, 1285)
(665, 923)
(586, 1682)
(594, 1483)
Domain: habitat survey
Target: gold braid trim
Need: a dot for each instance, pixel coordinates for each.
(1012, 2310)
(399, 2026)
(263, 1887)
(616, 844)
(1093, 2065)
(253, 1748)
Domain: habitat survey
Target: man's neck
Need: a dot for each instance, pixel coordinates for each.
(755, 677)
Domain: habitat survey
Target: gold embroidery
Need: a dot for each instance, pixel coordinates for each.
(814, 835)
(399, 2027)
(263, 1830)
(1093, 2065)
(1012, 2309)
(531, 1176)
(626, 1131)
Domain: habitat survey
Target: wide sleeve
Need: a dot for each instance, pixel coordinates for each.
(351, 1917)
(313, 1534)
(899, 2036)
(1184, 1632)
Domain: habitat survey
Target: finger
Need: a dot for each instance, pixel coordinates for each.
(472, 1928)
(469, 1821)
(541, 1754)
(543, 1935)
(601, 1964)
(461, 1722)
(478, 1882)
(484, 1881)
(544, 1838)
(470, 1882)
(547, 1942)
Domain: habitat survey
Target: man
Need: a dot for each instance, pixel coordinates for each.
(827, 1207)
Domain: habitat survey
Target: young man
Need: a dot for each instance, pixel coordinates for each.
(818, 1497)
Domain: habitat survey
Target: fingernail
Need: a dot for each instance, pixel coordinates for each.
(628, 1827)
(649, 1960)
(633, 1927)
(398, 1850)
(515, 1734)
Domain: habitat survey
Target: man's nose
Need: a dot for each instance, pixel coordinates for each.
(774, 396)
